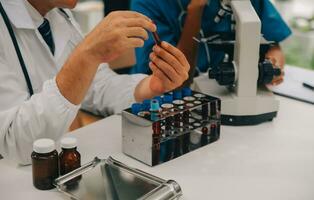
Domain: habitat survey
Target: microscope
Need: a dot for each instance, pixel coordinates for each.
(240, 79)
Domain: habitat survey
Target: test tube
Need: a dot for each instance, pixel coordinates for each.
(167, 98)
(136, 108)
(188, 104)
(186, 117)
(202, 109)
(155, 108)
(205, 111)
(167, 107)
(186, 136)
(146, 105)
(213, 109)
(169, 146)
(205, 138)
(139, 110)
(159, 99)
(186, 92)
(177, 95)
(156, 38)
(214, 132)
(178, 117)
(205, 107)
(178, 124)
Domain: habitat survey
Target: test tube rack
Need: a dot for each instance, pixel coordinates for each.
(177, 128)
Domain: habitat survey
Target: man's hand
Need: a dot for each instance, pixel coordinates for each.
(170, 69)
(276, 56)
(118, 32)
(169, 66)
(115, 34)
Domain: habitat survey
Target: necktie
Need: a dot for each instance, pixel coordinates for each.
(45, 31)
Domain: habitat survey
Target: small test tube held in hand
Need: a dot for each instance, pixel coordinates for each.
(156, 37)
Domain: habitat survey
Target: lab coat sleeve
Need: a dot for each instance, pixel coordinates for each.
(166, 30)
(45, 115)
(110, 93)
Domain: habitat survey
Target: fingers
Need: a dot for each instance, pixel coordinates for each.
(168, 58)
(133, 19)
(175, 52)
(116, 33)
(135, 22)
(136, 32)
(272, 60)
(277, 63)
(167, 70)
(169, 65)
(130, 14)
(276, 56)
(134, 25)
(166, 83)
(277, 81)
(134, 43)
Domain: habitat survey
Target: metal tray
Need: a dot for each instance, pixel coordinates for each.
(108, 179)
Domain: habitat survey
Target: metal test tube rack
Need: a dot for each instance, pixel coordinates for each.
(178, 128)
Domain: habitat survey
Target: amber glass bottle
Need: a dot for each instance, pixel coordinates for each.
(70, 159)
(44, 164)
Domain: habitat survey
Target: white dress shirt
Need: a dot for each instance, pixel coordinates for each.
(47, 114)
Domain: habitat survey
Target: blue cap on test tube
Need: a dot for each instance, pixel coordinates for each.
(177, 95)
(154, 105)
(168, 98)
(146, 105)
(186, 92)
(136, 108)
(159, 99)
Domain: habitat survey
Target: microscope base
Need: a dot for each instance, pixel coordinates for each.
(240, 111)
(230, 120)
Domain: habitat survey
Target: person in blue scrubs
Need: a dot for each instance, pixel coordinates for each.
(178, 21)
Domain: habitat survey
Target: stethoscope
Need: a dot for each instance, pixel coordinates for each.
(225, 10)
(17, 48)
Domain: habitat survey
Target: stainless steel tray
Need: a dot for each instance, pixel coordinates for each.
(108, 179)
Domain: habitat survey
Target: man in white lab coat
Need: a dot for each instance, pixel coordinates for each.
(67, 71)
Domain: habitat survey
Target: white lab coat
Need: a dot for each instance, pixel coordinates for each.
(47, 114)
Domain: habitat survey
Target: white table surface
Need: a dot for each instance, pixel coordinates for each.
(272, 161)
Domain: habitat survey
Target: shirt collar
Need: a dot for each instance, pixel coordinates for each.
(34, 14)
(22, 14)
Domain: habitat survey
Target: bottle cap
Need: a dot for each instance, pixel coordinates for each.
(199, 95)
(44, 146)
(68, 143)
(189, 98)
(186, 92)
(177, 94)
(159, 99)
(167, 106)
(136, 108)
(154, 105)
(178, 102)
(146, 105)
(168, 98)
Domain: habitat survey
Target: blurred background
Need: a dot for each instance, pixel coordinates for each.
(299, 14)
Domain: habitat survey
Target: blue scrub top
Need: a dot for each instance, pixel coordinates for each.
(165, 14)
